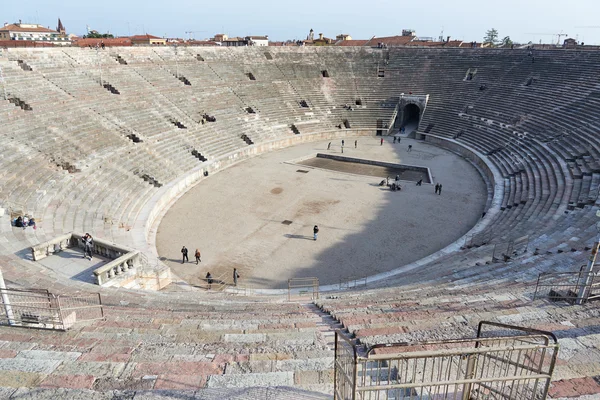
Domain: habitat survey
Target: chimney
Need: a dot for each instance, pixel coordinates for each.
(320, 36)
(448, 39)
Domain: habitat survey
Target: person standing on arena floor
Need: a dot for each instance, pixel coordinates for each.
(409, 148)
(440, 189)
(381, 142)
(355, 143)
(394, 139)
(342, 142)
(315, 232)
(329, 146)
(235, 276)
(184, 253)
(437, 187)
(209, 279)
(197, 254)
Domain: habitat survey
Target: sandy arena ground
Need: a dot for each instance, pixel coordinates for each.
(235, 216)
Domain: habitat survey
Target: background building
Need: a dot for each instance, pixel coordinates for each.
(34, 33)
(147, 40)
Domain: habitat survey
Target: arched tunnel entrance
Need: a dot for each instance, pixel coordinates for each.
(410, 117)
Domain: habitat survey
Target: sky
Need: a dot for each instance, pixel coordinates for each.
(468, 20)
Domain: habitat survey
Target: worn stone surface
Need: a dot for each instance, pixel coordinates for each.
(29, 365)
(49, 355)
(250, 380)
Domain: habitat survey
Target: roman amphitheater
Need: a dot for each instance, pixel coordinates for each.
(484, 291)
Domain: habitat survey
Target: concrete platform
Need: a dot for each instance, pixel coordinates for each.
(70, 263)
(235, 216)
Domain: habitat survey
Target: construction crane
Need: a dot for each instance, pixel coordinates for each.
(192, 32)
(558, 35)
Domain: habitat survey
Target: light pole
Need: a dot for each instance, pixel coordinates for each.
(176, 61)
(6, 301)
(589, 269)
(99, 64)
(3, 82)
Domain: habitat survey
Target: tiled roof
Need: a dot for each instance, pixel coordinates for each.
(202, 43)
(391, 40)
(258, 37)
(144, 37)
(351, 43)
(17, 28)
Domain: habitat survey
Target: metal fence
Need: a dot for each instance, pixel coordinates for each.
(303, 289)
(512, 367)
(568, 286)
(41, 309)
(351, 282)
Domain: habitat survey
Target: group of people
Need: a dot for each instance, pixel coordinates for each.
(184, 253)
(343, 143)
(25, 221)
(88, 245)
(209, 279)
(395, 186)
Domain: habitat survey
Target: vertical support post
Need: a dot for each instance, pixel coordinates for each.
(176, 61)
(6, 301)
(335, 365)
(99, 64)
(587, 274)
(3, 82)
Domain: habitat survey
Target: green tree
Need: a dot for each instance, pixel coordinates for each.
(506, 42)
(96, 35)
(491, 37)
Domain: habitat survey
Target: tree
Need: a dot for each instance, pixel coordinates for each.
(96, 35)
(491, 37)
(506, 42)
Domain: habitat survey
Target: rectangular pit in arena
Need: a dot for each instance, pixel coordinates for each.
(361, 166)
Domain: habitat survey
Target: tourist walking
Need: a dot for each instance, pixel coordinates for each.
(437, 188)
(184, 253)
(381, 142)
(409, 148)
(209, 280)
(235, 276)
(329, 146)
(440, 189)
(394, 139)
(197, 254)
(355, 143)
(315, 232)
(342, 142)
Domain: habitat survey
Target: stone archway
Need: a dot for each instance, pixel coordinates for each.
(411, 115)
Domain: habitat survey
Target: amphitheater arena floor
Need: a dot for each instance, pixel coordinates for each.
(235, 216)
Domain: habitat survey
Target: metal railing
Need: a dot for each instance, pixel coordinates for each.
(351, 282)
(567, 286)
(33, 308)
(512, 367)
(303, 289)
